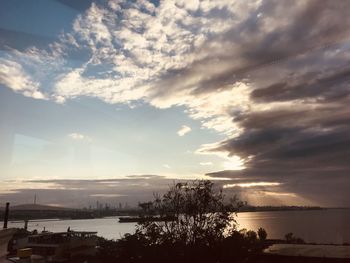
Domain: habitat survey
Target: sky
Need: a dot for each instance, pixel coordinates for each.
(114, 100)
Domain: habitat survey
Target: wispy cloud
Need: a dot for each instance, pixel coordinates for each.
(184, 130)
(13, 76)
(166, 166)
(280, 194)
(252, 184)
(206, 163)
(79, 136)
(106, 195)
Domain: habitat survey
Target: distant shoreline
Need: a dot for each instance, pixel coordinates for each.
(57, 215)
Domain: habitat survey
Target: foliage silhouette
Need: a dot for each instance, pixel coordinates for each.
(262, 234)
(290, 238)
(201, 215)
(202, 229)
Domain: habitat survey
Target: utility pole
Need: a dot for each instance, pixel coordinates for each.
(6, 218)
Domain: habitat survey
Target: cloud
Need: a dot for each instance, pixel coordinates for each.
(252, 184)
(105, 195)
(279, 194)
(166, 166)
(206, 163)
(184, 130)
(276, 86)
(14, 77)
(130, 189)
(123, 59)
(79, 136)
(78, 193)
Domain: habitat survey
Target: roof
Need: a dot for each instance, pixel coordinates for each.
(64, 233)
(307, 250)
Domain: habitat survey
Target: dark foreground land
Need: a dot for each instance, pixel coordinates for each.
(239, 247)
(257, 259)
(296, 259)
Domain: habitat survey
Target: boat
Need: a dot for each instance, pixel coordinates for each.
(142, 219)
(61, 246)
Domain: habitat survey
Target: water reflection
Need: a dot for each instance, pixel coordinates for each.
(321, 226)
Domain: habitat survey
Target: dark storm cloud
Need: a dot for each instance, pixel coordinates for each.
(278, 144)
(308, 162)
(305, 149)
(331, 87)
(299, 33)
(303, 143)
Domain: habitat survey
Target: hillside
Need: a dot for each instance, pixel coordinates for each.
(33, 207)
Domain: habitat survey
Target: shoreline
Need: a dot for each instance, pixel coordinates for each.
(39, 215)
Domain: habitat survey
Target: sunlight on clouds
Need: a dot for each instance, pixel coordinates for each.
(14, 77)
(276, 198)
(277, 194)
(55, 205)
(184, 130)
(234, 163)
(106, 195)
(260, 199)
(59, 99)
(252, 184)
(12, 186)
(213, 109)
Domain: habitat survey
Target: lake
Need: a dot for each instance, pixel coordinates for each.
(320, 226)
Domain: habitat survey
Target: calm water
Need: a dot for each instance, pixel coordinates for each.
(323, 226)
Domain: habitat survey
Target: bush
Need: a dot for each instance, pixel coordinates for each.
(236, 247)
(262, 234)
(290, 238)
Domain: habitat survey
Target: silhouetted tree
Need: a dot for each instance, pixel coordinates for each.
(200, 214)
(290, 238)
(251, 235)
(262, 234)
(192, 222)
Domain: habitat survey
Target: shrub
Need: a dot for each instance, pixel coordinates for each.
(262, 234)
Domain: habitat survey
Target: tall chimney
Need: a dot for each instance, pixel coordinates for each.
(6, 218)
